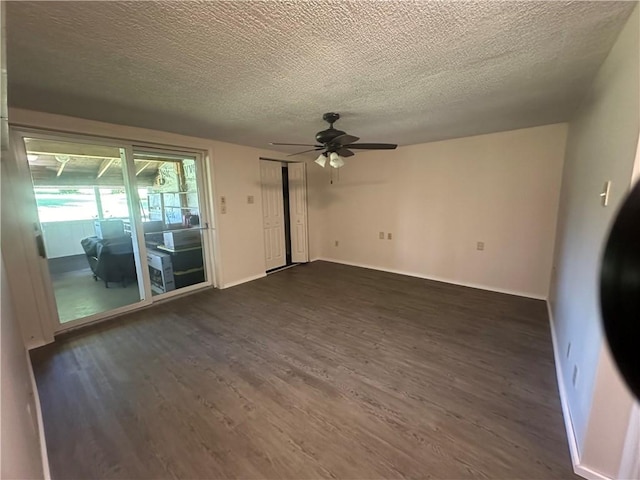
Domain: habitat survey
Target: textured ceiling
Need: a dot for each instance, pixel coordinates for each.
(254, 72)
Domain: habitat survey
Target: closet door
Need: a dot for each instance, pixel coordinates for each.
(273, 214)
(298, 213)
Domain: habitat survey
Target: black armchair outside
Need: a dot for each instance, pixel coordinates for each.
(111, 260)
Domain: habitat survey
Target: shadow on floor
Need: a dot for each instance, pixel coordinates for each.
(78, 295)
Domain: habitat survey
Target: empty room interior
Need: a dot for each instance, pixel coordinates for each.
(332, 239)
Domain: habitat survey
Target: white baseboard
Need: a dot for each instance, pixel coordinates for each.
(566, 413)
(244, 280)
(586, 472)
(437, 279)
(44, 456)
(579, 469)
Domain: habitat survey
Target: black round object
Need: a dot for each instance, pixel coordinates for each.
(620, 290)
(326, 136)
(331, 117)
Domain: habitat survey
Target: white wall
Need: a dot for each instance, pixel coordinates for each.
(62, 239)
(316, 203)
(601, 146)
(20, 456)
(630, 463)
(608, 424)
(237, 175)
(439, 199)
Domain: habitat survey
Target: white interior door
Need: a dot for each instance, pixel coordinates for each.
(273, 214)
(298, 212)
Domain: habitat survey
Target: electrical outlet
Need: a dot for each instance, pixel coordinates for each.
(480, 246)
(337, 243)
(250, 199)
(389, 236)
(574, 379)
(381, 235)
(223, 208)
(223, 200)
(568, 349)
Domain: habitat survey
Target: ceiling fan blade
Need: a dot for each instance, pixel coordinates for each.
(372, 146)
(344, 139)
(343, 152)
(295, 144)
(306, 151)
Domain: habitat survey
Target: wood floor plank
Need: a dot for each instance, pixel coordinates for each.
(319, 371)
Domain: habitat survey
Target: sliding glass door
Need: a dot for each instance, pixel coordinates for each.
(173, 218)
(117, 227)
(85, 227)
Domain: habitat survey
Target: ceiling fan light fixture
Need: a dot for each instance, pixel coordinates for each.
(335, 160)
(322, 160)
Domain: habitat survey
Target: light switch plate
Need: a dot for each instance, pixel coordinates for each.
(389, 236)
(250, 199)
(480, 246)
(381, 235)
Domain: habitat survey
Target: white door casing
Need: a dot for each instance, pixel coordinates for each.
(298, 212)
(272, 214)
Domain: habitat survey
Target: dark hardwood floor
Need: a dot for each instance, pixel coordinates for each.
(321, 370)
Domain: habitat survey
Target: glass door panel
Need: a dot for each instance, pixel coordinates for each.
(87, 226)
(172, 217)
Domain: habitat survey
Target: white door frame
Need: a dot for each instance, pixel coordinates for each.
(26, 279)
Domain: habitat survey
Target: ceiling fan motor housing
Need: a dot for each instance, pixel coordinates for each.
(326, 136)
